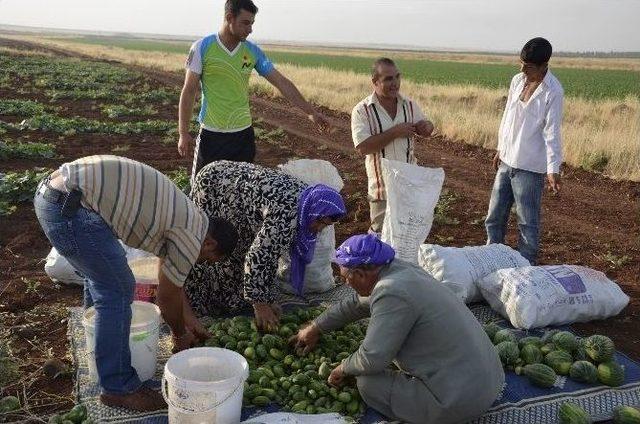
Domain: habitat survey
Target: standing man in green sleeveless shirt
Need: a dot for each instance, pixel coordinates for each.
(221, 64)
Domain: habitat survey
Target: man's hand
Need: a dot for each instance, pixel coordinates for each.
(266, 317)
(320, 120)
(336, 378)
(496, 161)
(406, 129)
(306, 339)
(185, 145)
(554, 182)
(424, 128)
(183, 342)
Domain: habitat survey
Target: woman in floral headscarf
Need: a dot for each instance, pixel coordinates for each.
(274, 214)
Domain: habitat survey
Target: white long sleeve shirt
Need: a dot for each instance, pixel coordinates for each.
(529, 136)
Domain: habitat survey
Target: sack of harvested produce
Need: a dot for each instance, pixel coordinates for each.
(461, 267)
(318, 274)
(538, 296)
(412, 195)
(314, 171)
(61, 271)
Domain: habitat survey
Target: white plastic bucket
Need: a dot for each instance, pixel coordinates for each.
(145, 271)
(204, 385)
(143, 339)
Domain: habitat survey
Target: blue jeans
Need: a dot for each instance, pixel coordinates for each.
(90, 245)
(524, 188)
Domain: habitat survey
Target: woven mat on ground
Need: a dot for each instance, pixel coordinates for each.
(519, 403)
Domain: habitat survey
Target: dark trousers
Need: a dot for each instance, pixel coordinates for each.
(212, 146)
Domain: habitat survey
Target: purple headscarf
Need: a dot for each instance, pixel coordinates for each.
(315, 202)
(364, 249)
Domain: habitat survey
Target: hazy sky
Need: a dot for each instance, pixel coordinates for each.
(570, 25)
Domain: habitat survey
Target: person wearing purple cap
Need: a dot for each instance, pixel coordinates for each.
(274, 214)
(425, 357)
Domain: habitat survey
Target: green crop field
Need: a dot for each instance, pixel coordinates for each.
(135, 44)
(585, 83)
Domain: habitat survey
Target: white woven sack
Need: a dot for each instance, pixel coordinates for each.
(412, 195)
(318, 274)
(314, 171)
(61, 271)
(460, 268)
(538, 296)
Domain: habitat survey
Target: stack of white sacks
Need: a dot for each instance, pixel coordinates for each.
(528, 296)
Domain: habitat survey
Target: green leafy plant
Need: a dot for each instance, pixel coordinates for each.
(444, 208)
(8, 364)
(18, 187)
(614, 261)
(181, 178)
(116, 111)
(21, 108)
(270, 136)
(595, 161)
(32, 286)
(26, 150)
(71, 126)
(121, 148)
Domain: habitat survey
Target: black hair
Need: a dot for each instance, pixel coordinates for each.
(224, 233)
(235, 6)
(377, 63)
(537, 51)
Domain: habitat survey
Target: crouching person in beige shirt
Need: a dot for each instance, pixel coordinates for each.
(425, 358)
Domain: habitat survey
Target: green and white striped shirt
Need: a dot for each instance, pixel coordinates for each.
(144, 208)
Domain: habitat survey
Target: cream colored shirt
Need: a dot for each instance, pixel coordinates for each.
(143, 207)
(369, 118)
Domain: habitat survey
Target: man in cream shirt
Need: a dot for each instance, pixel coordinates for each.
(383, 125)
(529, 147)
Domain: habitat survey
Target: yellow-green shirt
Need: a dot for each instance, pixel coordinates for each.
(224, 79)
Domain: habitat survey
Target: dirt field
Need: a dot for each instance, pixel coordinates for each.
(592, 217)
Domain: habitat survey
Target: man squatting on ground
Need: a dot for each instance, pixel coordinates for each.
(83, 208)
(425, 357)
(221, 65)
(383, 125)
(529, 145)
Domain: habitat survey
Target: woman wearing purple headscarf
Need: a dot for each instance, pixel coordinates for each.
(274, 214)
(425, 357)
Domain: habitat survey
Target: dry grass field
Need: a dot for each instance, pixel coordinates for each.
(602, 135)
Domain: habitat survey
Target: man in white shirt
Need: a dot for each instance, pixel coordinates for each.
(529, 146)
(383, 125)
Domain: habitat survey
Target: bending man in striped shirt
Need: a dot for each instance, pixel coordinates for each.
(83, 208)
(383, 125)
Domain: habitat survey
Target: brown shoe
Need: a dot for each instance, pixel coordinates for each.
(143, 400)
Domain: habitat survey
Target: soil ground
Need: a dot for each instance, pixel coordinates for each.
(591, 218)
